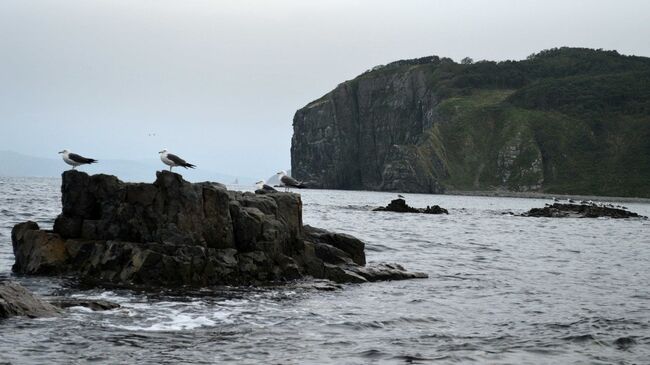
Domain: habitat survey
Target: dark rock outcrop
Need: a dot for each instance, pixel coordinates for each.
(174, 233)
(559, 210)
(353, 247)
(15, 300)
(400, 206)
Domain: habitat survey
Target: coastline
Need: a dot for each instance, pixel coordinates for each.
(535, 195)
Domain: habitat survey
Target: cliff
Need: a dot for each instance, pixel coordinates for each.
(175, 233)
(568, 120)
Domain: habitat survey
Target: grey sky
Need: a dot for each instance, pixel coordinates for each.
(219, 81)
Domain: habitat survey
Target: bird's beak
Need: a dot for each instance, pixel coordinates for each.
(60, 151)
(161, 151)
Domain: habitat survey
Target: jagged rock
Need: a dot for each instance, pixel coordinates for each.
(559, 210)
(350, 245)
(400, 206)
(174, 233)
(15, 300)
(38, 251)
(94, 304)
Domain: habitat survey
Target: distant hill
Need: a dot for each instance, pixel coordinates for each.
(16, 164)
(564, 120)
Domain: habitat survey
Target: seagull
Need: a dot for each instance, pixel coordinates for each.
(287, 181)
(261, 185)
(172, 160)
(74, 159)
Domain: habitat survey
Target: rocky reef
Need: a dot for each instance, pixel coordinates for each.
(560, 210)
(175, 233)
(400, 206)
(430, 124)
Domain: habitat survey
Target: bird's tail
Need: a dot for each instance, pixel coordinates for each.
(301, 185)
(92, 160)
(189, 165)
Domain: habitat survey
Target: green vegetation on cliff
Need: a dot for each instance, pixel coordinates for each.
(566, 120)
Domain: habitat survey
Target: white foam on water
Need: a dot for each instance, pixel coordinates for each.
(234, 302)
(180, 322)
(171, 316)
(80, 308)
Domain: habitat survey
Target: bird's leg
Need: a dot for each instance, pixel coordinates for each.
(170, 168)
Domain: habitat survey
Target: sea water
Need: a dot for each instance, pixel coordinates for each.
(502, 289)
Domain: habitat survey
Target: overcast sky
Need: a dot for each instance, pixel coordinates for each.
(218, 82)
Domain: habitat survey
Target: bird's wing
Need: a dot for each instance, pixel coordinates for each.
(288, 180)
(175, 159)
(77, 158)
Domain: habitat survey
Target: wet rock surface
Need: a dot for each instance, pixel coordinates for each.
(94, 304)
(175, 233)
(400, 206)
(15, 300)
(561, 210)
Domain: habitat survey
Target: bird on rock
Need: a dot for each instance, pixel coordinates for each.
(172, 160)
(75, 160)
(262, 188)
(289, 182)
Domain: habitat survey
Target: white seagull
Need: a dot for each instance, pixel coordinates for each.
(74, 159)
(172, 160)
(287, 181)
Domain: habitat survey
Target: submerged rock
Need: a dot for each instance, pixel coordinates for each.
(559, 210)
(385, 271)
(15, 300)
(400, 206)
(175, 233)
(94, 304)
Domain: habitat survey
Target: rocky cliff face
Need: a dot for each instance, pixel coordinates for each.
(364, 135)
(173, 233)
(555, 122)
